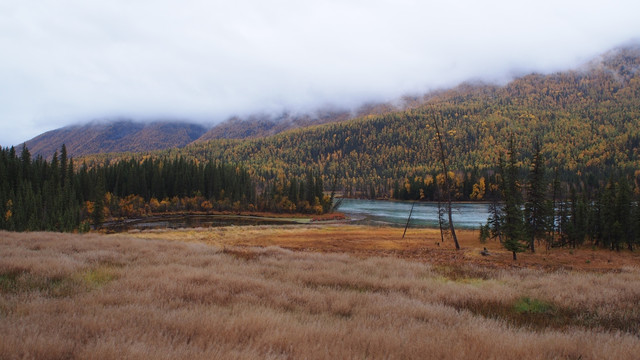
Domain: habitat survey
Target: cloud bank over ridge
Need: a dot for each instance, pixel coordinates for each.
(66, 61)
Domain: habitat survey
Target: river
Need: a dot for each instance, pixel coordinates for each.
(371, 212)
(425, 214)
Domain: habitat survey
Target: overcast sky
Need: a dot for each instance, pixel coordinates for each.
(68, 61)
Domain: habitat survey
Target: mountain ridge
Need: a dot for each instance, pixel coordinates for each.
(98, 137)
(588, 121)
(115, 136)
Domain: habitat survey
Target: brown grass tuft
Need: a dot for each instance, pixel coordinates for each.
(240, 253)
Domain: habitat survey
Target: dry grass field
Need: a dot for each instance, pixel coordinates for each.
(419, 244)
(279, 292)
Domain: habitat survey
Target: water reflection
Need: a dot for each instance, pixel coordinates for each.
(465, 215)
(189, 221)
(374, 212)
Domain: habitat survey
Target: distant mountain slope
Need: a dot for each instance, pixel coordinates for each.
(129, 136)
(587, 119)
(117, 136)
(263, 125)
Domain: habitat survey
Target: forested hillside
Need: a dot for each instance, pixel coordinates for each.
(111, 136)
(115, 136)
(263, 125)
(588, 122)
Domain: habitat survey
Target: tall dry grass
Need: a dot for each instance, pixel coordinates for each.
(105, 297)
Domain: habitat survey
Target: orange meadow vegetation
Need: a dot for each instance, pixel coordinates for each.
(238, 292)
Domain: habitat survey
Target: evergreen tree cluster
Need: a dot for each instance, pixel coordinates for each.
(560, 213)
(36, 194)
(609, 218)
(167, 178)
(297, 195)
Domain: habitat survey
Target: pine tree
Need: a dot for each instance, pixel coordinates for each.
(636, 219)
(485, 233)
(292, 193)
(319, 187)
(552, 220)
(624, 232)
(25, 158)
(494, 222)
(512, 225)
(63, 163)
(536, 208)
(610, 227)
(309, 188)
(98, 209)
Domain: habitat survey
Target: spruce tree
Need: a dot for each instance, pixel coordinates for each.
(624, 232)
(63, 163)
(319, 186)
(309, 188)
(512, 225)
(98, 209)
(536, 208)
(25, 158)
(494, 222)
(636, 219)
(553, 216)
(608, 220)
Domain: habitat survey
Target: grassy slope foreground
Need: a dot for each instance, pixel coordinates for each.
(97, 296)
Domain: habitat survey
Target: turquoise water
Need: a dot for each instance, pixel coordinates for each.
(374, 212)
(465, 215)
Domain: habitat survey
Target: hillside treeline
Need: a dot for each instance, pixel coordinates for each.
(588, 122)
(36, 194)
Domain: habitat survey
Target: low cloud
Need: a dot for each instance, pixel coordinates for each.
(67, 61)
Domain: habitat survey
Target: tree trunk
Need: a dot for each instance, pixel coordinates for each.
(533, 239)
(440, 213)
(453, 230)
(555, 186)
(495, 216)
(514, 255)
(446, 184)
(409, 219)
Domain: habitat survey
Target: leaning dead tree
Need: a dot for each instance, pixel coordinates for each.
(441, 210)
(408, 220)
(447, 188)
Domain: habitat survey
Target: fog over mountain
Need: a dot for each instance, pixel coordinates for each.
(72, 61)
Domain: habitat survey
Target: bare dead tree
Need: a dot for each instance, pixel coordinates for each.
(408, 220)
(447, 188)
(440, 212)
